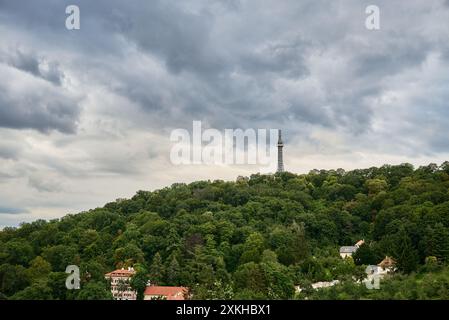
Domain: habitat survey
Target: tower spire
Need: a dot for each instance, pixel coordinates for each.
(280, 155)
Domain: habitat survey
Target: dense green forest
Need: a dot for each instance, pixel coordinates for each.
(255, 238)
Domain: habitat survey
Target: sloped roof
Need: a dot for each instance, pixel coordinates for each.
(171, 293)
(359, 243)
(348, 249)
(120, 273)
(387, 262)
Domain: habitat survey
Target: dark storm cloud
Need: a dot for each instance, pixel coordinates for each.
(187, 44)
(38, 107)
(31, 96)
(391, 62)
(236, 63)
(196, 43)
(282, 59)
(182, 40)
(40, 113)
(36, 66)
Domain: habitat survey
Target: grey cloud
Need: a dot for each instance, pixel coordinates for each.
(12, 210)
(9, 152)
(37, 66)
(227, 56)
(187, 42)
(282, 59)
(426, 125)
(25, 62)
(182, 39)
(31, 104)
(401, 54)
(43, 183)
(201, 43)
(40, 113)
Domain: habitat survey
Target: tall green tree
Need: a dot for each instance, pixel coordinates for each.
(139, 280)
(365, 255)
(300, 243)
(436, 242)
(404, 252)
(173, 272)
(157, 270)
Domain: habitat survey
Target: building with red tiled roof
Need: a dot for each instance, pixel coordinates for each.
(359, 243)
(388, 263)
(120, 288)
(165, 293)
(126, 273)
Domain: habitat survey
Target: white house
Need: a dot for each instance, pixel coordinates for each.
(120, 287)
(347, 251)
(320, 285)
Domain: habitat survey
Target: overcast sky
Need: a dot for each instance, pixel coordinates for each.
(86, 115)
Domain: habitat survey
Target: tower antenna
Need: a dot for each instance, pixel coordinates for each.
(280, 153)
